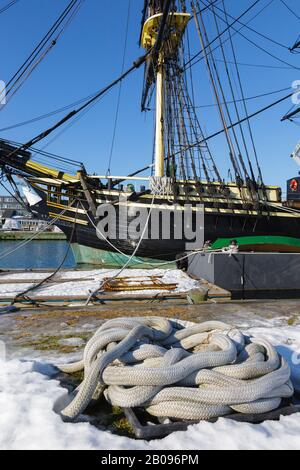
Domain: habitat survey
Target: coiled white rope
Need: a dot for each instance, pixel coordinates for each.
(161, 186)
(179, 370)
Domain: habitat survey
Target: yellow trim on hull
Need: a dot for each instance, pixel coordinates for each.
(67, 219)
(63, 207)
(47, 171)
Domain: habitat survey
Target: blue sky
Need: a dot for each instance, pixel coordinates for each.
(89, 56)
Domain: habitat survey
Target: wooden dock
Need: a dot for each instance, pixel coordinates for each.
(157, 295)
(16, 236)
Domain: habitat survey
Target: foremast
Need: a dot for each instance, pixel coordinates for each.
(162, 34)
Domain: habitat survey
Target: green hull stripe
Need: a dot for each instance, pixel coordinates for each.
(108, 259)
(268, 240)
(94, 256)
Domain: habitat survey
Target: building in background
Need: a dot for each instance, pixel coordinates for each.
(9, 206)
(15, 217)
(24, 224)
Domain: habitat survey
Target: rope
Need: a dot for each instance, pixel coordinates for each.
(28, 72)
(9, 5)
(246, 113)
(178, 370)
(115, 248)
(23, 295)
(283, 208)
(28, 240)
(248, 27)
(44, 47)
(53, 156)
(93, 294)
(120, 90)
(255, 44)
(250, 116)
(84, 107)
(138, 261)
(161, 186)
(17, 197)
(200, 53)
(290, 10)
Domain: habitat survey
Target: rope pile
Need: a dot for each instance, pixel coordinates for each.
(179, 370)
(161, 186)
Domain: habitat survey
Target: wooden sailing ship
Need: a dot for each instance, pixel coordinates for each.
(184, 172)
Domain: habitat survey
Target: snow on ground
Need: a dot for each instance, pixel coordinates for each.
(94, 279)
(27, 419)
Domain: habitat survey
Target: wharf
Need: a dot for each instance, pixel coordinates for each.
(250, 275)
(16, 236)
(44, 329)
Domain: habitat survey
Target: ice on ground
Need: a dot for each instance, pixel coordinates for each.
(94, 279)
(28, 393)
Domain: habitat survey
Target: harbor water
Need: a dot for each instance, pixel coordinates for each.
(37, 254)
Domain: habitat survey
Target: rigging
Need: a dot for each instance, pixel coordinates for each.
(48, 42)
(53, 156)
(212, 8)
(263, 66)
(221, 34)
(291, 114)
(215, 81)
(287, 66)
(251, 116)
(120, 90)
(221, 131)
(8, 6)
(296, 45)
(251, 98)
(50, 114)
(240, 84)
(237, 111)
(65, 108)
(257, 45)
(82, 108)
(290, 9)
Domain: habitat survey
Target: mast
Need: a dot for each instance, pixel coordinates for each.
(160, 128)
(161, 34)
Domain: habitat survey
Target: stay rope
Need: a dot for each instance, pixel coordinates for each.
(23, 295)
(36, 234)
(103, 283)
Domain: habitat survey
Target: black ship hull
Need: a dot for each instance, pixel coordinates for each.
(269, 231)
(215, 212)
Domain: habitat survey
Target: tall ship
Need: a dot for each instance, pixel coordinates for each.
(185, 193)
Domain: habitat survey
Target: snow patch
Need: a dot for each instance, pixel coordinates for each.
(169, 276)
(28, 393)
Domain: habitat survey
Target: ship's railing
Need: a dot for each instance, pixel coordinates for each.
(123, 178)
(271, 193)
(122, 182)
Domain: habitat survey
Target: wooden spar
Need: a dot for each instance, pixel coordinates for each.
(36, 281)
(103, 297)
(291, 115)
(152, 39)
(160, 126)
